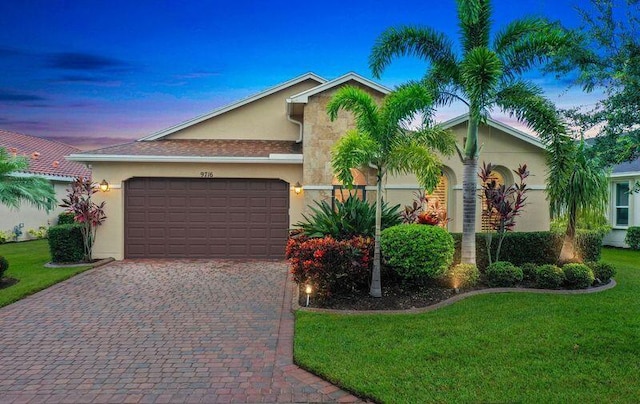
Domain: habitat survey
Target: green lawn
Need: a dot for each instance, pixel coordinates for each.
(26, 263)
(490, 348)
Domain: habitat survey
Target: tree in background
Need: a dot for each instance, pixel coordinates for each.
(383, 141)
(15, 189)
(487, 74)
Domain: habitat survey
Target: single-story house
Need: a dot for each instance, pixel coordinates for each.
(47, 160)
(624, 205)
(224, 184)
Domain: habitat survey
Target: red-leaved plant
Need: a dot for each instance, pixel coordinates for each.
(85, 212)
(425, 211)
(502, 203)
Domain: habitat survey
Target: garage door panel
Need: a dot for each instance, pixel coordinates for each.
(205, 218)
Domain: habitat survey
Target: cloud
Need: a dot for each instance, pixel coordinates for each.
(85, 62)
(7, 95)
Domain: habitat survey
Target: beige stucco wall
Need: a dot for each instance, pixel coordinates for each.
(29, 216)
(110, 237)
(264, 119)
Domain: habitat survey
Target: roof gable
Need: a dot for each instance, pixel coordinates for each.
(510, 130)
(235, 105)
(46, 157)
(303, 97)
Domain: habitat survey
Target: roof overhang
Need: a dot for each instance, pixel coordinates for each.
(238, 104)
(498, 125)
(625, 174)
(271, 159)
(303, 97)
(50, 177)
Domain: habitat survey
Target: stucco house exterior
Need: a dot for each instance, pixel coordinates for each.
(223, 184)
(624, 206)
(46, 159)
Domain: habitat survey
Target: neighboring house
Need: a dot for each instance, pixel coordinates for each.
(222, 184)
(46, 159)
(624, 206)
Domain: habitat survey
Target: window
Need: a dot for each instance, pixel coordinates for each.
(488, 219)
(621, 204)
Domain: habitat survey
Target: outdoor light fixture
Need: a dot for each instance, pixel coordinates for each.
(307, 290)
(297, 188)
(104, 186)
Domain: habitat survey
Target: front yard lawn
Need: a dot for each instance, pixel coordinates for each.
(26, 263)
(515, 347)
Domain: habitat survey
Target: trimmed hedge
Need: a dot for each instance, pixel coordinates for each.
(633, 237)
(577, 276)
(602, 271)
(417, 250)
(65, 243)
(66, 218)
(503, 274)
(461, 276)
(4, 265)
(540, 247)
(549, 276)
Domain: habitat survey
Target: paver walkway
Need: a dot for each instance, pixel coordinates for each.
(156, 332)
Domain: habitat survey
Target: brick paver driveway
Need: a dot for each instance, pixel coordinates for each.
(158, 331)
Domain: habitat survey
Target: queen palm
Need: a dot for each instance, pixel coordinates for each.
(15, 189)
(383, 142)
(484, 75)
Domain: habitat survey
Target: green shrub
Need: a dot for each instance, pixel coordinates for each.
(66, 243)
(503, 274)
(602, 271)
(417, 250)
(549, 276)
(351, 218)
(38, 234)
(65, 218)
(461, 276)
(577, 276)
(633, 237)
(4, 265)
(5, 236)
(529, 270)
(589, 244)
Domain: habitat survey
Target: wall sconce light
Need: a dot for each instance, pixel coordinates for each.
(297, 188)
(104, 186)
(308, 290)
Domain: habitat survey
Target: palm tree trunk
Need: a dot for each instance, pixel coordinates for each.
(568, 252)
(469, 184)
(376, 283)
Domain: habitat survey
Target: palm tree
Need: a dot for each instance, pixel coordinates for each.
(15, 189)
(382, 141)
(583, 191)
(485, 75)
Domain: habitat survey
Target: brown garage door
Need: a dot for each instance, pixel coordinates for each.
(205, 218)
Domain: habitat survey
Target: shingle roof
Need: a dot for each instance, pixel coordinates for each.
(629, 166)
(45, 156)
(201, 148)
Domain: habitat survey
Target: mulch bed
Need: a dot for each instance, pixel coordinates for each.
(6, 282)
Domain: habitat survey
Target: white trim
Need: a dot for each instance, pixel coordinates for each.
(303, 97)
(51, 177)
(229, 107)
(625, 174)
(272, 159)
(458, 187)
(498, 125)
(317, 187)
(402, 186)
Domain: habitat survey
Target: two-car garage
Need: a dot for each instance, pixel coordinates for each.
(205, 218)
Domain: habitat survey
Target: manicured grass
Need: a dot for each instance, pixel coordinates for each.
(26, 263)
(515, 347)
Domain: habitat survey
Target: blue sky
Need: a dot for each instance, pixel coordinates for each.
(96, 72)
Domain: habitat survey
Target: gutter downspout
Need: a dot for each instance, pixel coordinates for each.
(294, 121)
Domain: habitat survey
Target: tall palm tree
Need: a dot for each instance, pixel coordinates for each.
(486, 74)
(382, 141)
(585, 190)
(17, 189)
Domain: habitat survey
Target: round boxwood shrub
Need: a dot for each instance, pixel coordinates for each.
(417, 250)
(577, 276)
(503, 274)
(66, 244)
(461, 276)
(602, 271)
(4, 265)
(529, 271)
(549, 276)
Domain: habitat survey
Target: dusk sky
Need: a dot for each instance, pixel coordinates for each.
(90, 73)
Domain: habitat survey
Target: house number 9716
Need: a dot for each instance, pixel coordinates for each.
(206, 174)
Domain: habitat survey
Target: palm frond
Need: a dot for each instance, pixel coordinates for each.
(354, 149)
(436, 138)
(10, 164)
(425, 43)
(32, 190)
(410, 156)
(481, 71)
(403, 103)
(474, 19)
(359, 103)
